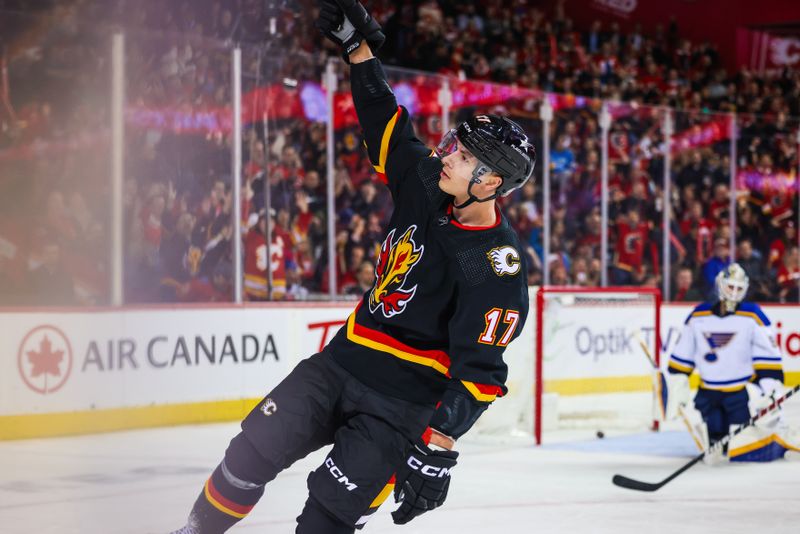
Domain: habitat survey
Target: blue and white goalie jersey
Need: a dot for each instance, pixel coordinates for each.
(727, 350)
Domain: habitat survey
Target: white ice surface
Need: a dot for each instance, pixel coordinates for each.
(145, 482)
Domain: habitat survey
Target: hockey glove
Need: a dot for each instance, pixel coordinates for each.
(347, 23)
(422, 483)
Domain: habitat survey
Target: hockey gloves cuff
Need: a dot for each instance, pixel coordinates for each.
(422, 483)
(346, 23)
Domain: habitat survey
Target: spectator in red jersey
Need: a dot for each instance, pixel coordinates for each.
(779, 245)
(719, 208)
(255, 262)
(629, 255)
(684, 289)
(789, 276)
(698, 232)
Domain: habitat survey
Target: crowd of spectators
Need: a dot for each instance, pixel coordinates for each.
(54, 225)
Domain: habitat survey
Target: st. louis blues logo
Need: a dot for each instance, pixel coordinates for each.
(395, 261)
(717, 340)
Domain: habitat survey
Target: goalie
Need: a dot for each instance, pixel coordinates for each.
(731, 345)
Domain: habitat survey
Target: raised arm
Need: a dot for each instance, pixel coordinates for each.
(392, 146)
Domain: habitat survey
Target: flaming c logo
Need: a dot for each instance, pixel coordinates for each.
(396, 260)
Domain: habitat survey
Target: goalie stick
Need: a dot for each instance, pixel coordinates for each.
(629, 483)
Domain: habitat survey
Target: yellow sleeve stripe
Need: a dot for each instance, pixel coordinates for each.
(702, 313)
(680, 367)
(752, 315)
(387, 135)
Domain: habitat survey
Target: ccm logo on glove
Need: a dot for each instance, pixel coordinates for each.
(428, 470)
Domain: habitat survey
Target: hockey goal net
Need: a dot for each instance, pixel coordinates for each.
(579, 368)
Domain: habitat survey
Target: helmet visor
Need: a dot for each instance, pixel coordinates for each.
(447, 145)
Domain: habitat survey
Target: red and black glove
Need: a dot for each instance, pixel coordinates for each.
(422, 483)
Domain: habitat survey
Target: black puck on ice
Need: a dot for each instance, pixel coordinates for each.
(600, 434)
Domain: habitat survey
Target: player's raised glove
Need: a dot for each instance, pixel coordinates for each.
(347, 24)
(422, 483)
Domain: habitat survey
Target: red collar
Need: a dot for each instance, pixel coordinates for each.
(453, 221)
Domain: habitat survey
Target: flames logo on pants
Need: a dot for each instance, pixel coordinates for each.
(396, 260)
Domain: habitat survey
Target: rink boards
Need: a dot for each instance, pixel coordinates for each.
(78, 371)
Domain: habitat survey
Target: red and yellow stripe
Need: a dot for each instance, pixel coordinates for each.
(375, 340)
(384, 494)
(483, 392)
(226, 506)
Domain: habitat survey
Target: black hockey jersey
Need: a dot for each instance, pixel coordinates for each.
(447, 298)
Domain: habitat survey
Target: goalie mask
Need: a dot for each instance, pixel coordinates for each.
(732, 284)
(500, 146)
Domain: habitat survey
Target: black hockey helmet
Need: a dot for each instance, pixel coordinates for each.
(500, 145)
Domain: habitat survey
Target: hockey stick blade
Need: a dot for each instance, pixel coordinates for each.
(638, 485)
(629, 483)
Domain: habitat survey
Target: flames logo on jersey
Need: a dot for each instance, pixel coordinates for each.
(505, 260)
(395, 261)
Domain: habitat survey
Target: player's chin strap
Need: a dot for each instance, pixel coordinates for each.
(472, 198)
(479, 171)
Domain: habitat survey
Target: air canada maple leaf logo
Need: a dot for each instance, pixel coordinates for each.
(395, 261)
(45, 359)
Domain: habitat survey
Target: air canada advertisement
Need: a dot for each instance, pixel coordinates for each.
(61, 362)
(78, 361)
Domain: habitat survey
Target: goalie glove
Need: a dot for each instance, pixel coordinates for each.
(346, 23)
(423, 482)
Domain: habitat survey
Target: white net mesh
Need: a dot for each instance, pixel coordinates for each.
(595, 373)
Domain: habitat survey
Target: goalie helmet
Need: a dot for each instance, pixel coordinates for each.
(500, 145)
(732, 283)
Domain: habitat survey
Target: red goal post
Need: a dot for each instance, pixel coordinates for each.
(630, 305)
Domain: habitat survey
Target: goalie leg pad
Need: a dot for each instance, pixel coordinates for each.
(674, 393)
(755, 444)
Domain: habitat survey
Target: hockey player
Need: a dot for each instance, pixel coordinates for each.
(420, 358)
(730, 344)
